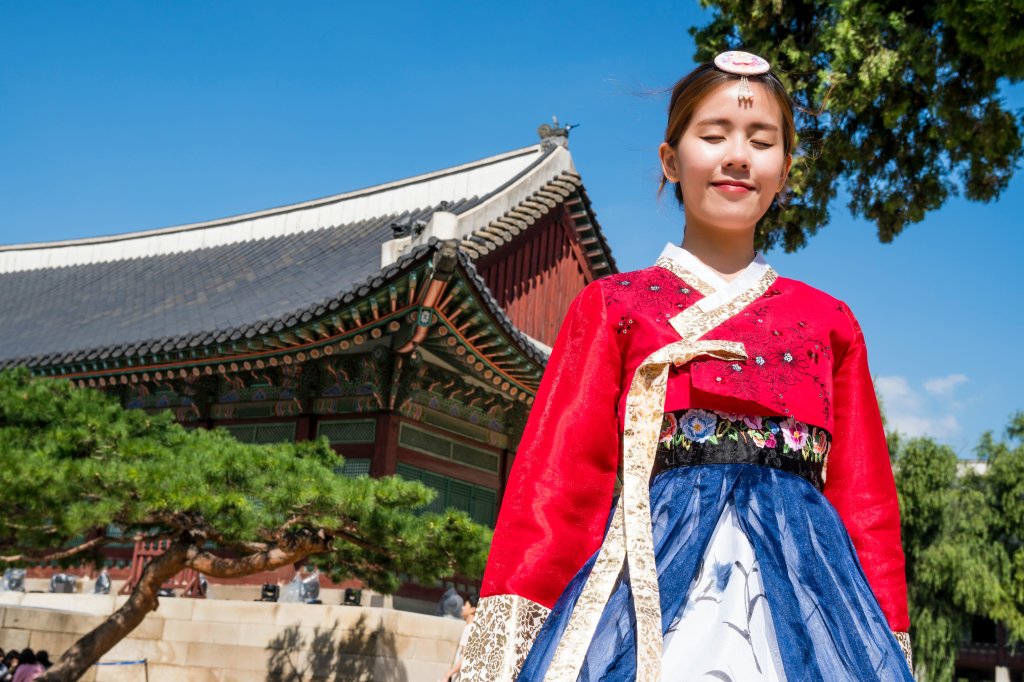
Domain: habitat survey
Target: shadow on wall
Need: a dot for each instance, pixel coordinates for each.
(334, 655)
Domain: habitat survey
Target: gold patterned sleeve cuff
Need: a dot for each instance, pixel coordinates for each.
(500, 636)
(904, 641)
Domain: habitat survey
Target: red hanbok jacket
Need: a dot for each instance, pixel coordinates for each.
(806, 359)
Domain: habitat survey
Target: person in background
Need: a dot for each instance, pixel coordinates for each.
(43, 657)
(450, 605)
(28, 667)
(102, 585)
(468, 611)
(11, 661)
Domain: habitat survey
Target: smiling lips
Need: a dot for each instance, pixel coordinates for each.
(736, 186)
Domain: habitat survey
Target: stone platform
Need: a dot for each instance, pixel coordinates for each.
(212, 640)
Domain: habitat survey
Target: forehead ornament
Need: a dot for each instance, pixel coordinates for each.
(742, 64)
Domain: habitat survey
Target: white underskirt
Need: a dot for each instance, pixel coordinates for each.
(725, 630)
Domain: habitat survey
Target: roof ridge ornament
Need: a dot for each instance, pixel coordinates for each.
(742, 64)
(555, 135)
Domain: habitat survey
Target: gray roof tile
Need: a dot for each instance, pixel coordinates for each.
(185, 297)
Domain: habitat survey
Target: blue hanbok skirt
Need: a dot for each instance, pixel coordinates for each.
(802, 607)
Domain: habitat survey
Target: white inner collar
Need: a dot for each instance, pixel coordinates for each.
(725, 290)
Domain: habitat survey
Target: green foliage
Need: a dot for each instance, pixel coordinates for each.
(962, 535)
(897, 101)
(75, 463)
(1006, 482)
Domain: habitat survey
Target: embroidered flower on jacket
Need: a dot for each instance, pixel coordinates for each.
(794, 434)
(668, 428)
(774, 441)
(699, 425)
(753, 422)
(819, 442)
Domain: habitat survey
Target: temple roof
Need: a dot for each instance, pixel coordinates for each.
(244, 275)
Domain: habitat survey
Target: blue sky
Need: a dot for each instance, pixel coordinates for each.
(122, 116)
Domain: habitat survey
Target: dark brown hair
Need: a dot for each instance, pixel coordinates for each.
(690, 91)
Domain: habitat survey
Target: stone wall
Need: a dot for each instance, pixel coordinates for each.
(196, 640)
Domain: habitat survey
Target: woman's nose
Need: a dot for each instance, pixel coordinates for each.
(736, 157)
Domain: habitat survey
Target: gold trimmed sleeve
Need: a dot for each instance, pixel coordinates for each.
(903, 638)
(500, 637)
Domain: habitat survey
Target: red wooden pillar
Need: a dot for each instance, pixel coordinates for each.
(305, 427)
(385, 447)
(503, 471)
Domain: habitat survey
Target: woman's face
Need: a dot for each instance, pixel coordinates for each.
(730, 161)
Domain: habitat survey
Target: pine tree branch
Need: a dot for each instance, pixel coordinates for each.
(293, 549)
(56, 555)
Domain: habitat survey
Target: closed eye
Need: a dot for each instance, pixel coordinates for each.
(712, 138)
(761, 144)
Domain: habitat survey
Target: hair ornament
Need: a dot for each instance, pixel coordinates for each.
(742, 64)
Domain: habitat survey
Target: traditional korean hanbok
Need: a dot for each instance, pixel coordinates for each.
(702, 492)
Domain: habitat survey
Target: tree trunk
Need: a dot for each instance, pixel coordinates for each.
(184, 552)
(77, 660)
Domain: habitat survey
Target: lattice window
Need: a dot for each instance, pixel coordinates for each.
(440, 484)
(348, 431)
(480, 503)
(354, 468)
(424, 442)
(475, 457)
(263, 433)
(460, 496)
(445, 448)
(485, 506)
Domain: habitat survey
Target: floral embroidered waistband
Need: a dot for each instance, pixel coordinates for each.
(695, 436)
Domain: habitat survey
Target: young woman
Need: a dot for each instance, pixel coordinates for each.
(755, 534)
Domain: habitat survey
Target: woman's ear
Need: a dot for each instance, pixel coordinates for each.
(785, 172)
(669, 162)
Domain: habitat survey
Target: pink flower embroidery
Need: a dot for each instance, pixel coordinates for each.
(794, 433)
(753, 422)
(769, 441)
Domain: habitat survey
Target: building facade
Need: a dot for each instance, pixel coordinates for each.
(407, 323)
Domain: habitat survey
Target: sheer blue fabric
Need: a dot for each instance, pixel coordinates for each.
(827, 621)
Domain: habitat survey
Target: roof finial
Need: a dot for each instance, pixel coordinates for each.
(555, 135)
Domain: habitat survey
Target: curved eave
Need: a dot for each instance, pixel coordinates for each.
(473, 329)
(386, 303)
(551, 181)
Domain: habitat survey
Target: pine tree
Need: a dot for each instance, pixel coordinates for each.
(75, 465)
